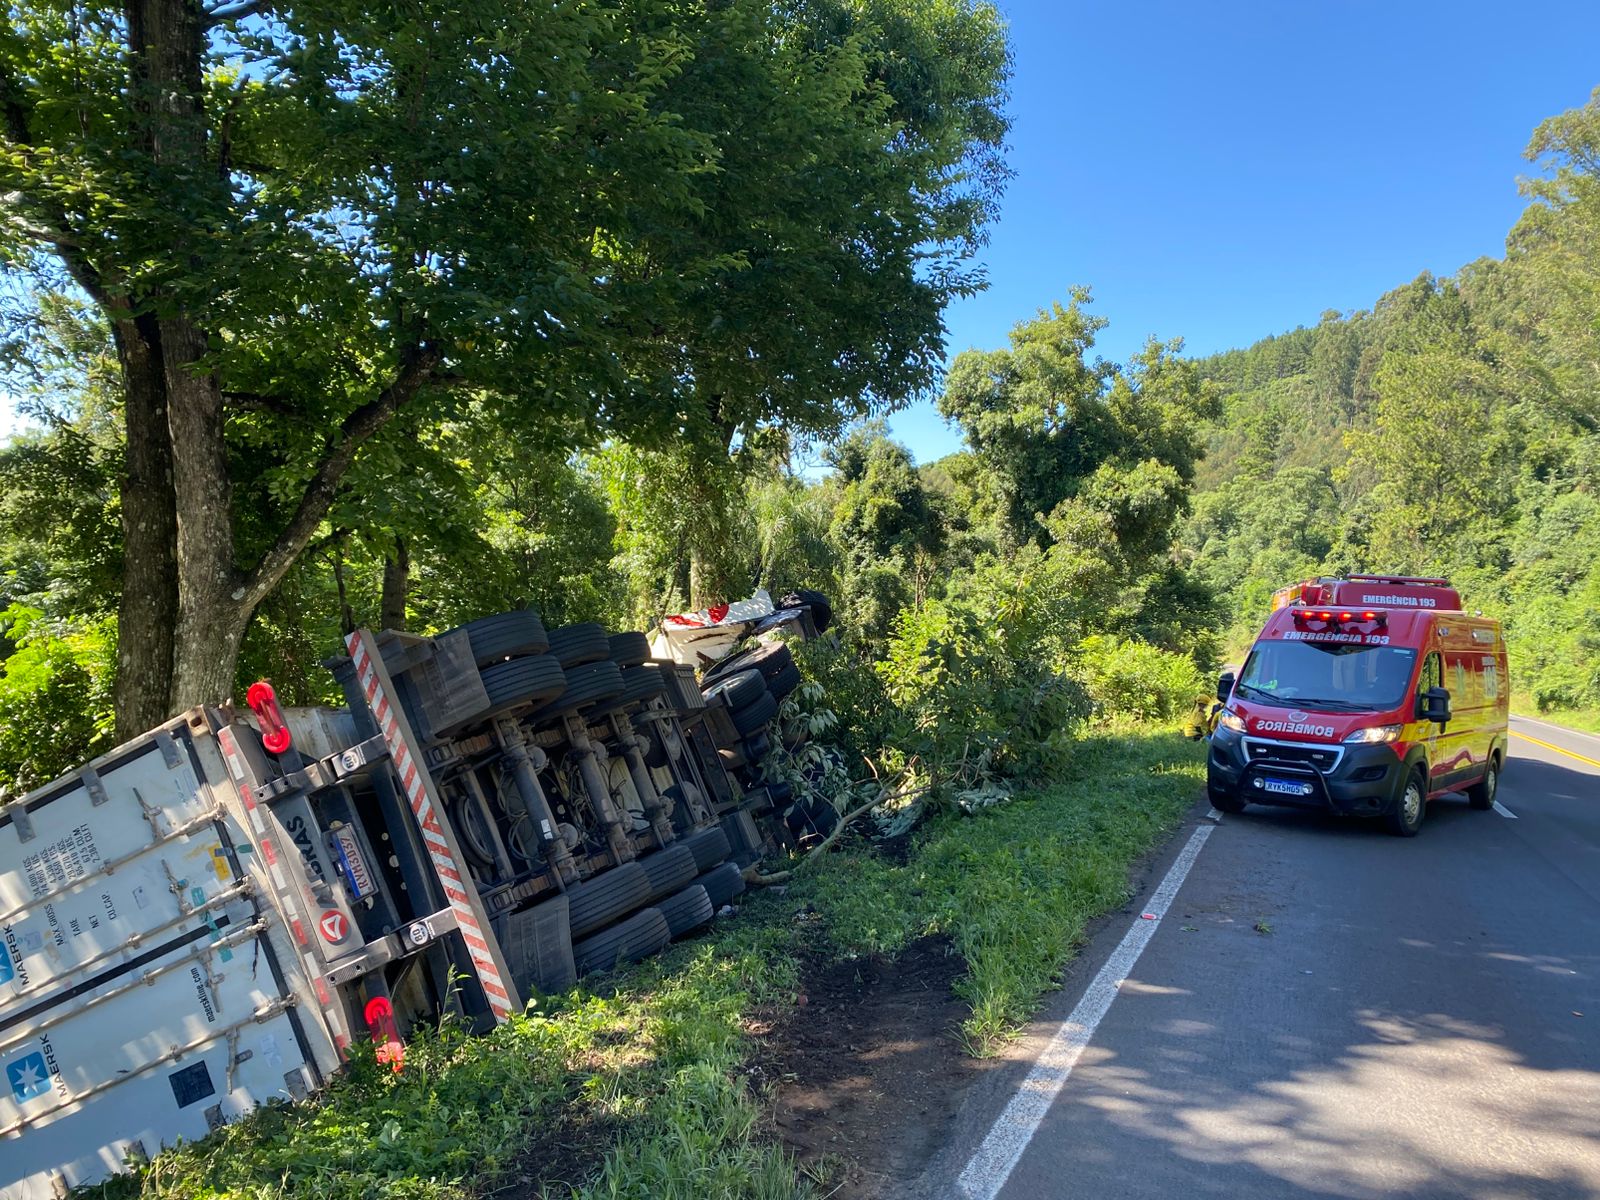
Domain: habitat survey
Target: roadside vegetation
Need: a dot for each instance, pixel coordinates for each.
(1452, 429)
(634, 1087)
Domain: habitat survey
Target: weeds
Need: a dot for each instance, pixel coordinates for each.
(643, 1069)
(1014, 887)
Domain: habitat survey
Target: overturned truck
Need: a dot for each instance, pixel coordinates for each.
(204, 919)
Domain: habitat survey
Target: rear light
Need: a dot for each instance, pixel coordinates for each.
(263, 701)
(385, 1032)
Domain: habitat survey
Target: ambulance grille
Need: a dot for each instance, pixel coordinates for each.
(1323, 758)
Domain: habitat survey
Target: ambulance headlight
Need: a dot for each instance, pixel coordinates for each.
(1374, 734)
(1229, 719)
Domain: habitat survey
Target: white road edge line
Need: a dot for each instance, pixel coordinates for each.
(989, 1168)
(1504, 811)
(1214, 815)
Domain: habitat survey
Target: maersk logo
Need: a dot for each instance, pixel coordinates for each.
(1294, 727)
(28, 1076)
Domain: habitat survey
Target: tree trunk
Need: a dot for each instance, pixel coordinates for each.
(212, 606)
(396, 582)
(148, 609)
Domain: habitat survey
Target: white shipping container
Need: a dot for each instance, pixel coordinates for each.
(147, 990)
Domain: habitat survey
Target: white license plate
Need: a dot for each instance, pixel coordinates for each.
(1286, 787)
(352, 864)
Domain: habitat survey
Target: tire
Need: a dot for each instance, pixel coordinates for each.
(821, 610)
(757, 715)
(769, 658)
(508, 635)
(643, 682)
(709, 847)
(535, 680)
(756, 748)
(1481, 794)
(574, 645)
(784, 682)
(1406, 818)
(629, 649)
(737, 690)
(669, 869)
(537, 944)
(640, 936)
(687, 910)
(586, 685)
(1227, 802)
(722, 883)
(595, 903)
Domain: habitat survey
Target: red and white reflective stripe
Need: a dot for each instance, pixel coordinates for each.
(445, 866)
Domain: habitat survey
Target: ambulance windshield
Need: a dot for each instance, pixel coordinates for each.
(1335, 676)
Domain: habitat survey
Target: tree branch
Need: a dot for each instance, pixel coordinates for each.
(259, 402)
(417, 366)
(233, 12)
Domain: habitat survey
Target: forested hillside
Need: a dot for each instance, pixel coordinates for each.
(1452, 429)
(1107, 535)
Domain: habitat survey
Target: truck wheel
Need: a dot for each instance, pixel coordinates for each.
(574, 645)
(723, 883)
(755, 715)
(669, 869)
(769, 658)
(588, 684)
(737, 690)
(1227, 802)
(495, 639)
(629, 649)
(687, 910)
(821, 610)
(784, 682)
(537, 943)
(642, 682)
(1481, 794)
(709, 847)
(537, 679)
(597, 902)
(1406, 818)
(640, 936)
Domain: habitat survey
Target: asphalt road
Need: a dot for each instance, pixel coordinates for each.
(1329, 1011)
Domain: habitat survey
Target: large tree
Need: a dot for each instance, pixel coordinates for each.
(643, 217)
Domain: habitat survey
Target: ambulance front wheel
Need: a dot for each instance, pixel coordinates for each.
(1406, 818)
(1227, 802)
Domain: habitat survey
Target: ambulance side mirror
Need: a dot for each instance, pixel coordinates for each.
(1225, 686)
(1434, 705)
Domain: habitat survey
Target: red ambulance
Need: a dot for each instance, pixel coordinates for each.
(1367, 695)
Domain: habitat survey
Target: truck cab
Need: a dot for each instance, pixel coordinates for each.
(1364, 696)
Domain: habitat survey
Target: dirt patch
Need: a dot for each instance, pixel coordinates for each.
(866, 1075)
(562, 1156)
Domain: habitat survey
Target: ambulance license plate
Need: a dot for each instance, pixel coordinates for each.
(1287, 787)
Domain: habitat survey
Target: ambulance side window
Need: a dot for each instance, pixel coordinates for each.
(1432, 673)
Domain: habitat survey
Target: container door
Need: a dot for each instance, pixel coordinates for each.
(140, 998)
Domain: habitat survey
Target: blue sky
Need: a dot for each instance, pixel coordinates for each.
(1223, 170)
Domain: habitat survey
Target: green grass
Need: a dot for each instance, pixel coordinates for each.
(1585, 720)
(1015, 886)
(646, 1069)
